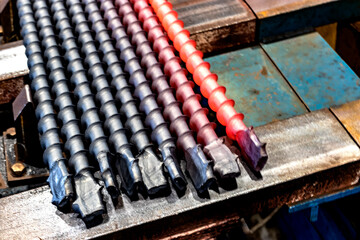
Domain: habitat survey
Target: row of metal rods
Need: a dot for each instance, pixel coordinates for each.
(99, 88)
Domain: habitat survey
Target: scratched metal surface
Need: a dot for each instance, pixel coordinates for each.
(13, 61)
(297, 147)
(217, 24)
(278, 17)
(320, 77)
(261, 93)
(349, 115)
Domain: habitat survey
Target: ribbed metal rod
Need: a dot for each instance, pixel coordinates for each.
(129, 171)
(225, 162)
(252, 149)
(198, 167)
(154, 119)
(86, 106)
(59, 178)
(150, 165)
(85, 184)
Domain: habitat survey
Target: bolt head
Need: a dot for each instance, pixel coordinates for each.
(18, 168)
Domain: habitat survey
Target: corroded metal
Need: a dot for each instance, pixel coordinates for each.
(319, 145)
(265, 94)
(148, 105)
(349, 116)
(316, 72)
(59, 179)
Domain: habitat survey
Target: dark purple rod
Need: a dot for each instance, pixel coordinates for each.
(154, 119)
(198, 167)
(59, 178)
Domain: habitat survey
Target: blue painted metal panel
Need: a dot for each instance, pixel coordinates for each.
(259, 90)
(320, 77)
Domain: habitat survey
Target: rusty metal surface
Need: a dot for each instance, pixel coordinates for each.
(217, 24)
(298, 147)
(349, 116)
(265, 95)
(319, 76)
(31, 172)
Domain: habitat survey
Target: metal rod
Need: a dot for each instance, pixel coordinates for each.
(225, 162)
(154, 119)
(59, 178)
(252, 149)
(86, 106)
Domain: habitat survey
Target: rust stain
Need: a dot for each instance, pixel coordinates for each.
(236, 74)
(264, 71)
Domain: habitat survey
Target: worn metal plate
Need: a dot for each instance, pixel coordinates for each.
(261, 93)
(297, 147)
(319, 76)
(217, 24)
(13, 69)
(286, 16)
(13, 61)
(349, 115)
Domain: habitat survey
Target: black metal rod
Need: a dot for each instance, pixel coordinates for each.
(59, 178)
(86, 106)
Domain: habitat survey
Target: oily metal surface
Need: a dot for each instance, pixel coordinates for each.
(265, 95)
(13, 62)
(349, 116)
(319, 76)
(297, 147)
(217, 24)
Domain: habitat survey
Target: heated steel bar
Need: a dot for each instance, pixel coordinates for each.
(252, 149)
(88, 197)
(150, 165)
(126, 163)
(198, 167)
(86, 105)
(59, 178)
(224, 160)
(154, 119)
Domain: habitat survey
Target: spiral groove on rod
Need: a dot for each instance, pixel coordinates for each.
(150, 165)
(154, 119)
(126, 163)
(198, 167)
(86, 105)
(224, 160)
(87, 207)
(251, 147)
(59, 178)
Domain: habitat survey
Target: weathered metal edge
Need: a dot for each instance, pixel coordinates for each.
(155, 210)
